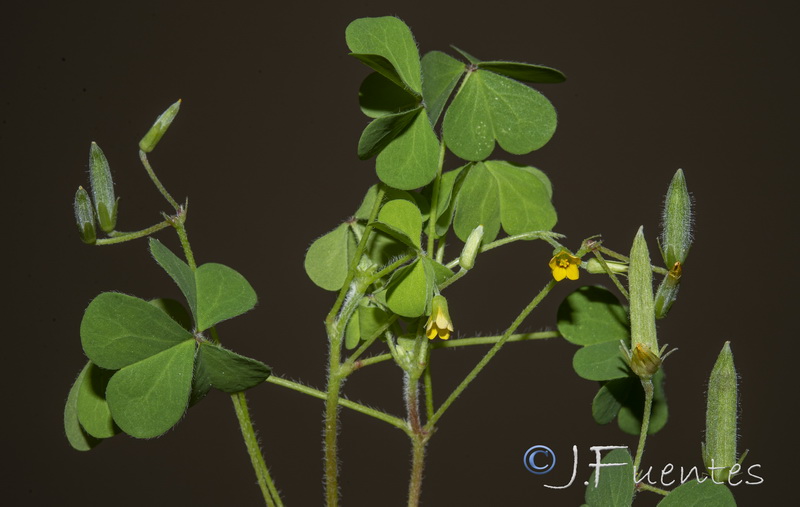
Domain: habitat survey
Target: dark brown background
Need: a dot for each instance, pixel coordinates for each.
(265, 147)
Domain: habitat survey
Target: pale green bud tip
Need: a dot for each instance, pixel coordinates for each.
(84, 216)
(471, 248)
(676, 237)
(640, 287)
(595, 267)
(162, 123)
(719, 451)
(102, 189)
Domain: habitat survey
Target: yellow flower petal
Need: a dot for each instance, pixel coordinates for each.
(431, 333)
(444, 334)
(572, 272)
(559, 273)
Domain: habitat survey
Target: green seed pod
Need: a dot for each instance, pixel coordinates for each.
(676, 236)
(640, 287)
(84, 216)
(668, 291)
(153, 136)
(102, 189)
(719, 450)
(471, 248)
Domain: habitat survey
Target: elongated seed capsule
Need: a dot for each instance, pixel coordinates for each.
(676, 236)
(645, 357)
(471, 248)
(719, 450)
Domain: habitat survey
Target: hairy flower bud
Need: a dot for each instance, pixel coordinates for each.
(84, 216)
(102, 189)
(153, 136)
(471, 248)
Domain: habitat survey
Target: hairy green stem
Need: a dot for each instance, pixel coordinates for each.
(121, 237)
(550, 237)
(434, 213)
(156, 181)
(648, 405)
(419, 439)
(377, 414)
(611, 274)
(462, 342)
(490, 354)
(643, 486)
(271, 495)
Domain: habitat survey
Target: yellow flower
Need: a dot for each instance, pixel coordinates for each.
(439, 323)
(563, 265)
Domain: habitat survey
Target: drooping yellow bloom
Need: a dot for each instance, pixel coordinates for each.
(564, 265)
(439, 323)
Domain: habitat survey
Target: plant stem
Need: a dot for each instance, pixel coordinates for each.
(335, 323)
(490, 354)
(647, 385)
(377, 414)
(121, 237)
(646, 487)
(332, 420)
(550, 237)
(611, 274)
(419, 439)
(434, 213)
(461, 342)
(271, 495)
(156, 181)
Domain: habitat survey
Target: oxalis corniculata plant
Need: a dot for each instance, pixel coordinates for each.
(390, 265)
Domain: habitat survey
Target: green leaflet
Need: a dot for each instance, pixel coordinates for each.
(222, 293)
(386, 45)
(228, 371)
(630, 414)
(378, 96)
(179, 271)
(623, 399)
(497, 193)
(93, 412)
(363, 324)
(147, 398)
(615, 486)
(402, 220)
(118, 330)
(592, 314)
(214, 292)
(699, 494)
(328, 258)
(601, 361)
(441, 74)
(527, 72)
(382, 131)
(78, 438)
(490, 107)
(410, 289)
(411, 160)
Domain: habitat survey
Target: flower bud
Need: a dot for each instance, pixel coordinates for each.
(676, 236)
(668, 290)
(84, 216)
(153, 136)
(439, 323)
(102, 189)
(471, 248)
(640, 287)
(594, 267)
(719, 450)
